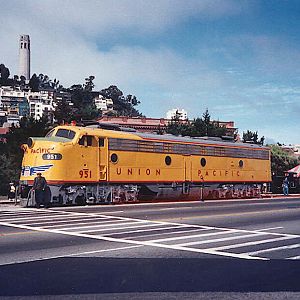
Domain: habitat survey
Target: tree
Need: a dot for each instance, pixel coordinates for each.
(89, 84)
(281, 161)
(123, 106)
(83, 99)
(63, 111)
(252, 137)
(198, 127)
(11, 153)
(4, 75)
(34, 83)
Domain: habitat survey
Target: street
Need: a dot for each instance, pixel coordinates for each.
(233, 246)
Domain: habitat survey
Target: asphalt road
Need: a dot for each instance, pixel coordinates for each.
(207, 250)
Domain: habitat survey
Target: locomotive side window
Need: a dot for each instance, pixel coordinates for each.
(168, 160)
(65, 133)
(203, 162)
(114, 157)
(87, 141)
(101, 142)
(241, 163)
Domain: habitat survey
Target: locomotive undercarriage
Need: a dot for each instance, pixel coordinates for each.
(132, 193)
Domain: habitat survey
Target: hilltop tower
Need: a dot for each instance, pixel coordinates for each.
(24, 56)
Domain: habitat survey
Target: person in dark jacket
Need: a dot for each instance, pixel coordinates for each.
(39, 186)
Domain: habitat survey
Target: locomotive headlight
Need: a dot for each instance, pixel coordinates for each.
(30, 142)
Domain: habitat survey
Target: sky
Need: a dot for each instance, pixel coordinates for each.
(239, 59)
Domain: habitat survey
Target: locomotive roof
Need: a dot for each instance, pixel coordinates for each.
(159, 138)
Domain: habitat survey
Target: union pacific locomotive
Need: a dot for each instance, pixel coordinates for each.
(95, 165)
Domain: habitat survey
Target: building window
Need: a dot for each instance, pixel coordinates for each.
(24, 45)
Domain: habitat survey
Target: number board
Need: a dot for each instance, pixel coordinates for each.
(52, 156)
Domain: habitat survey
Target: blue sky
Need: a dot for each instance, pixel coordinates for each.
(239, 59)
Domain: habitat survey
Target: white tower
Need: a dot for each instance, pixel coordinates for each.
(24, 56)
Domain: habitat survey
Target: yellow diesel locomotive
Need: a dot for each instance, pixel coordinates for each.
(95, 165)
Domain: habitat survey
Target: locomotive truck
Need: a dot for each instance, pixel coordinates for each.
(90, 164)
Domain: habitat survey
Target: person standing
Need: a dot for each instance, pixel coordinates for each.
(11, 192)
(285, 186)
(39, 186)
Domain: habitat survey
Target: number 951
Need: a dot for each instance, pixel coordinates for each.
(85, 173)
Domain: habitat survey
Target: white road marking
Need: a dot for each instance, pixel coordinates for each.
(274, 249)
(117, 228)
(97, 222)
(34, 218)
(294, 257)
(221, 239)
(252, 243)
(271, 228)
(115, 223)
(146, 243)
(161, 233)
(14, 222)
(71, 254)
(77, 219)
(114, 212)
(193, 236)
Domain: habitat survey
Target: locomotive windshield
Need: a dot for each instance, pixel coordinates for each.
(50, 133)
(65, 133)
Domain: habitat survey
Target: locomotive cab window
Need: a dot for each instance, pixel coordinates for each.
(50, 133)
(87, 141)
(65, 133)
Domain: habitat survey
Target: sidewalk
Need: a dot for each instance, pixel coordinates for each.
(4, 200)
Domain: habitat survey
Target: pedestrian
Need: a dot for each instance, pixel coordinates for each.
(11, 192)
(285, 186)
(39, 187)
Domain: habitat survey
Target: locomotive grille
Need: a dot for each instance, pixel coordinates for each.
(176, 148)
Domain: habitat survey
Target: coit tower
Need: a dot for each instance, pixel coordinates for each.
(24, 56)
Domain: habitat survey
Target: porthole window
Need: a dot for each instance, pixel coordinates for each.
(168, 160)
(241, 163)
(114, 157)
(203, 162)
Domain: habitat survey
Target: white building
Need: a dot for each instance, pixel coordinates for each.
(181, 114)
(103, 104)
(9, 94)
(41, 103)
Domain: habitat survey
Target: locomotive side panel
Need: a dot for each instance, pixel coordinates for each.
(228, 169)
(135, 167)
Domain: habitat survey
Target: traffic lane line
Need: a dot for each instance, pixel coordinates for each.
(71, 255)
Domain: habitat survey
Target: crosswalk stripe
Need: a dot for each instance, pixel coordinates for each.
(99, 225)
(114, 228)
(221, 239)
(192, 236)
(274, 249)
(252, 243)
(97, 222)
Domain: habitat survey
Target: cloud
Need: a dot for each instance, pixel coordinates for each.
(240, 77)
(97, 17)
